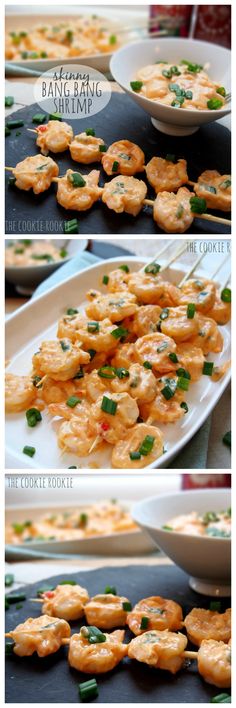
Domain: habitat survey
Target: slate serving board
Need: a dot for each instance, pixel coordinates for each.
(51, 680)
(26, 213)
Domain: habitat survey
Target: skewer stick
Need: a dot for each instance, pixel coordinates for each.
(187, 276)
(190, 654)
(39, 383)
(36, 599)
(174, 258)
(158, 255)
(7, 634)
(226, 283)
(192, 184)
(32, 130)
(148, 202)
(65, 641)
(9, 169)
(95, 443)
(219, 268)
(206, 217)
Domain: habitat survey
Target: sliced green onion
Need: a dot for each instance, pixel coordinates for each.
(72, 467)
(189, 95)
(170, 158)
(11, 124)
(83, 520)
(214, 103)
(9, 100)
(112, 39)
(93, 635)
(68, 582)
(72, 311)
(127, 607)
(102, 148)
(198, 205)
(105, 279)
(173, 357)
(221, 698)
(227, 438)
(115, 166)
(152, 268)
(110, 590)
(39, 118)
(119, 332)
(215, 606)
(93, 327)
(162, 347)
(108, 405)
(208, 188)
(33, 416)
(184, 406)
(43, 55)
(136, 85)
(167, 73)
(92, 353)
(144, 623)
(69, 35)
(80, 374)
(15, 597)
(90, 131)
(45, 588)
(63, 253)
(88, 690)
(168, 391)
(226, 295)
(65, 347)
(122, 373)
(147, 445)
(221, 90)
(164, 314)
(208, 367)
(167, 528)
(73, 401)
(71, 227)
(147, 365)
(194, 68)
(225, 184)
(9, 580)
(177, 103)
(7, 131)
(55, 116)
(76, 179)
(179, 211)
(125, 268)
(183, 383)
(28, 450)
(135, 455)
(107, 372)
(184, 373)
(9, 648)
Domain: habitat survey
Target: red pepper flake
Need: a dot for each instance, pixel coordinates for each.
(49, 593)
(105, 426)
(42, 128)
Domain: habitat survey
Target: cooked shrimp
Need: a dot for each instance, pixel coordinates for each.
(96, 658)
(146, 319)
(160, 613)
(208, 624)
(208, 336)
(178, 325)
(161, 650)
(96, 385)
(97, 335)
(165, 175)
(140, 383)
(155, 349)
(35, 173)
(60, 359)
(151, 289)
(66, 602)
(19, 393)
(106, 611)
(113, 427)
(124, 356)
(117, 281)
(69, 324)
(64, 410)
(125, 194)
(199, 291)
(113, 306)
(124, 158)
(78, 197)
(162, 410)
(86, 148)
(215, 189)
(77, 434)
(214, 663)
(190, 358)
(40, 635)
(56, 136)
(134, 439)
(221, 311)
(172, 212)
(59, 391)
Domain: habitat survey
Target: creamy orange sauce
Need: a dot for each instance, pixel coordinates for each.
(36, 253)
(215, 524)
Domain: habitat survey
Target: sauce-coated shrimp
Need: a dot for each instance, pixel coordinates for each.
(215, 189)
(165, 175)
(199, 291)
(161, 614)
(155, 349)
(146, 319)
(162, 650)
(113, 306)
(40, 635)
(113, 427)
(221, 311)
(66, 602)
(63, 410)
(96, 658)
(76, 435)
(79, 198)
(151, 289)
(59, 391)
(60, 359)
(117, 281)
(140, 383)
(54, 137)
(68, 326)
(97, 335)
(86, 148)
(125, 194)
(208, 336)
(132, 441)
(172, 212)
(124, 158)
(165, 410)
(106, 611)
(214, 663)
(208, 624)
(125, 355)
(19, 393)
(36, 173)
(191, 359)
(178, 325)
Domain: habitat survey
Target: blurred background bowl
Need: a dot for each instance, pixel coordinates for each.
(206, 559)
(26, 278)
(127, 61)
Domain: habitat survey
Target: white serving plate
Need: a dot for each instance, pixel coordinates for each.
(126, 543)
(37, 321)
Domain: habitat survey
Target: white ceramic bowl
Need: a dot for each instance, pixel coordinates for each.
(26, 278)
(173, 121)
(207, 560)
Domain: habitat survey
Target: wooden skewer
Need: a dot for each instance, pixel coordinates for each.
(31, 130)
(36, 599)
(192, 184)
(187, 276)
(95, 443)
(174, 258)
(219, 267)
(66, 640)
(158, 255)
(9, 169)
(190, 654)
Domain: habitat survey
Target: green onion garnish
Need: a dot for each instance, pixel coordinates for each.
(164, 314)
(76, 179)
(115, 166)
(197, 205)
(110, 590)
(33, 416)
(184, 406)
(226, 295)
(208, 188)
(107, 372)
(136, 85)
(144, 623)
(71, 227)
(90, 131)
(9, 648)
(167, 73)
(93, 635)
(73, 401)
(112, 39)
(119, 332)
(215, 606)
(80, 374)
(162, 347)
(105, 279)
(221, 698)
(72, 311)
(152, 268)
(214, 103)
(183, 372)
(63, 253)
(122, 373)
(183, 383)
(45, 588)
(170, 158)
(68, 582)
(65, 347)
(92, 353)
(167, 528)
(28, 450)
(11, 124)
(9, 580)
(179, 211)
(55, 116)
(227, 438)
(177, 104)
(7, 131)
(127, 607)
(169, 390)
(173, 357)
(88, 690)
(147, 365)
(191, 309)
(102, 148)
(125, 268)
(93, 327)
(15, 597)
(108, 405)
(39, 118)
(193, 68)
(208, 367)
(9, 100)
(221, 90)
(225, 184)
(189, 95)
(135, 455)
(147, 445)
(11, 181)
